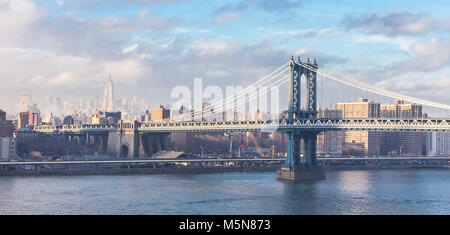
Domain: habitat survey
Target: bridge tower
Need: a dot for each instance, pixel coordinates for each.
(306, 167)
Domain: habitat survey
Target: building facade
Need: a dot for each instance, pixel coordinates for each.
(329, 143)
(7, 148)
(438, 144)
(160, 113)
(28, 119)
(382, 143)
(361, 142)
(403, 143)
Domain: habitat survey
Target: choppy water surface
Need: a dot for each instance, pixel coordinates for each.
(343, 192)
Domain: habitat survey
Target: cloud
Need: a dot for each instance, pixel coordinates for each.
(403, 42)
(300, 34)
(420, 87)
(130, 48)
(71, 57)
(25, 25)
(217, 61)
(61, 79)
(394, 24)
(230, 12)
(91, 4)
(17, 17)
(226, 17)
(269, 5)
(428, 56)
(102, 37)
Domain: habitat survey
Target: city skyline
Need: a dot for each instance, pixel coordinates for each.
(227, 107)
(152, 47)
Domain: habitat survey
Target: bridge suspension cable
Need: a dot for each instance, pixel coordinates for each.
(231, 99)
(243, 99)
(254, 96)
(364, 86)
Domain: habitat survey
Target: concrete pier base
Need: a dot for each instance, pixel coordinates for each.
(300, 173)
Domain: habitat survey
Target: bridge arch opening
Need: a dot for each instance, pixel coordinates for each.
(123, 151)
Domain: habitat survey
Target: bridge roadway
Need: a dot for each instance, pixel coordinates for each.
(319, 124)
(130, 161)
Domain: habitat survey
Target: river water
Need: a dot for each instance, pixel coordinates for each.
(407, 191)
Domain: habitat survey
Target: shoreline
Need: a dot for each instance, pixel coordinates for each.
(184, 170)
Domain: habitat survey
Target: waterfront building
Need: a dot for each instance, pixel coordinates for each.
(382, 143)
(403, 143)
(330, 142)
(361, 142)
(6, 128)
(438, 144)
(6, 148)
(6, 137)
(400, 110)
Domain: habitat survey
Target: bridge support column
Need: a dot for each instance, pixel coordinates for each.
(293, 149)
(294, 169)
(310, 149)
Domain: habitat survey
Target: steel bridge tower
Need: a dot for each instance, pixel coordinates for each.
(306, 167)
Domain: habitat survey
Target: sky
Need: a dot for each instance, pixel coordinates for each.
(68, 48)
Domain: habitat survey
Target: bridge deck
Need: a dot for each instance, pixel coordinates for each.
(126, 161)
(320, 124)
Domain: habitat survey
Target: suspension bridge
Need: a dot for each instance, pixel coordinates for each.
(300, 120)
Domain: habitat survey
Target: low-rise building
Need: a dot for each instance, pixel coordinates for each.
(160, 113)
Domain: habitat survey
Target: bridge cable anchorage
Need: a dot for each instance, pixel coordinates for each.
(364, 86)
(228, 99)
(243, 92)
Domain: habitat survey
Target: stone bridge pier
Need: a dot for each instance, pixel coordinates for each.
(127, 142)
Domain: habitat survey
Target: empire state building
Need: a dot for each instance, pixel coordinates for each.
(108, 96)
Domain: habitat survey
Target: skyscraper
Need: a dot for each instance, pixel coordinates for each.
(108, 105)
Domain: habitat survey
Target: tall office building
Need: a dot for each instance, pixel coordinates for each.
(108, 105)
